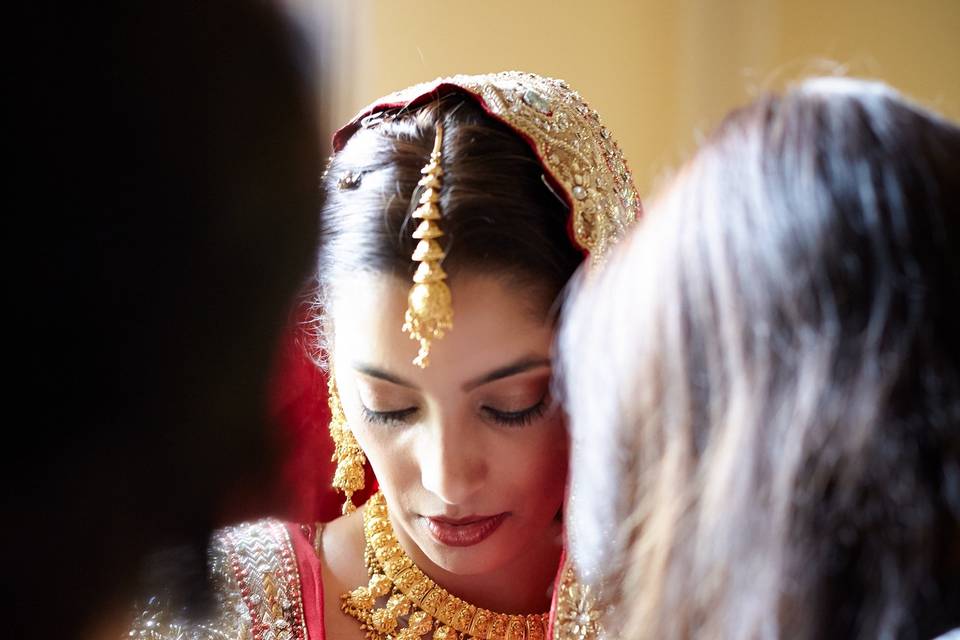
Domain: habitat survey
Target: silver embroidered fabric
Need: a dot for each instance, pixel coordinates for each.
(229, 620)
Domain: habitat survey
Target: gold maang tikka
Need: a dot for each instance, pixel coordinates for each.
(349, 475)
(429, 306)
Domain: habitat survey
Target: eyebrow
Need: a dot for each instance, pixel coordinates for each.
(523, 365)
(520, 366)
(374, 372)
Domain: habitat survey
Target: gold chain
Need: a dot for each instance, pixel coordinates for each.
(416, 605)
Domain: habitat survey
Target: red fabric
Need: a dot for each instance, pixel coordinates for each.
(301, 413)
(552, 617)
(311, 580)
(299, 408)
(298, 415)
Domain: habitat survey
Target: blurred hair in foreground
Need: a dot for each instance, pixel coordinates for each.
(764, 387)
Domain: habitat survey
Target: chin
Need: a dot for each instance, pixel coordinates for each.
(485, 557)
(468, 562)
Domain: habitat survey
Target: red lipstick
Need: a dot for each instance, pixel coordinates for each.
(463, 532)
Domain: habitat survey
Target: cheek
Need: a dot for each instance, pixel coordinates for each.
(391, 456)
(536, 464)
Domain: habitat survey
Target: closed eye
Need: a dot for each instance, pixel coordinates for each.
(387, 417)
(519, 418)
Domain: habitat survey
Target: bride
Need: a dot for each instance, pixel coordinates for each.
(455, 213)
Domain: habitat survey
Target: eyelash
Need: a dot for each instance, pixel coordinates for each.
(518, 418)
(387, 417)
(506, 418)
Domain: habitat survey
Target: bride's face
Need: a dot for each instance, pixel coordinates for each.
(470, 452)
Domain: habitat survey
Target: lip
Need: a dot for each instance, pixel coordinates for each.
(463, 532)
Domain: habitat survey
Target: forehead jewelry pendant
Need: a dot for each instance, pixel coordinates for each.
(429, 306)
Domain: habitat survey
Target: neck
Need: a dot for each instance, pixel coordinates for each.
(521, 586)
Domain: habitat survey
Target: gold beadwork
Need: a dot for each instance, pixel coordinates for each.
(429, 306)
(426, 606)
(349, 475)
(577, 613)
(578, 153)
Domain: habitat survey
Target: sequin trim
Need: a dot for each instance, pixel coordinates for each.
(257, 592)
(575, 148)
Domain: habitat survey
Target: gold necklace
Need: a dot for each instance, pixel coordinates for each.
(426, 606)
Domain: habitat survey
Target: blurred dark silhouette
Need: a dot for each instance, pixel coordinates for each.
(165, 190)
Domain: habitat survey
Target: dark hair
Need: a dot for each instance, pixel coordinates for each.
(499, 215)
(769, 370)
(171, 171)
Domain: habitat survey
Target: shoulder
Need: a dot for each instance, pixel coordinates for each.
(256, 590)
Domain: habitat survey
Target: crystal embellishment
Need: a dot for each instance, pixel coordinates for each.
(537, 101)
(565, 134)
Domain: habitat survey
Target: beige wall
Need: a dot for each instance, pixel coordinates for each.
(656, 70)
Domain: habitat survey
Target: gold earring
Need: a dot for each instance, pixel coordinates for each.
(349, 476)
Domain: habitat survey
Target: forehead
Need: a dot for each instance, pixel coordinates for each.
(493, 324)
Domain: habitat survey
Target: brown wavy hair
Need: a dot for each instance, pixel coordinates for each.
(767, 379)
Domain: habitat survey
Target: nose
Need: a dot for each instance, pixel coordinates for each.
(452, 463)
